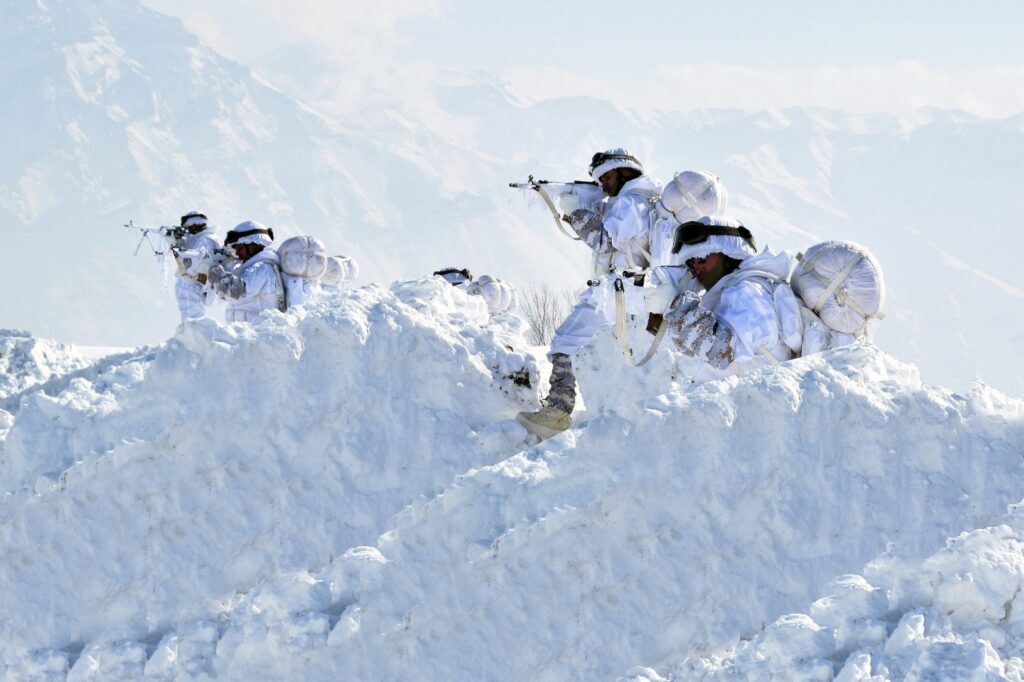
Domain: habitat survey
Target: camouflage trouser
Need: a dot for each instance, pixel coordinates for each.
(563, 384)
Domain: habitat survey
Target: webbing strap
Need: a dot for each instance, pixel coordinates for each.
(690, 199)
(646, 254)
(687, 197)
(835, 284)
(282, 292)
(662, 328)
(620, 319)
(620, 328)
(554, 212)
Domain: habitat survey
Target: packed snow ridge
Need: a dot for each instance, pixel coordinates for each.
(339, 492)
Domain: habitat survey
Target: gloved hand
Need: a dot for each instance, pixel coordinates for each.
(590, 227)
(577, 196)
(230, 286)
(568, 202)
(658, 299)
(216, 273)
(685, 303)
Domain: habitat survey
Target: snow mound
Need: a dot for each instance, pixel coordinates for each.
(685, 523)
(956, 615)
(327, 494)
(26, 361)
(141, 495)
(679, 524)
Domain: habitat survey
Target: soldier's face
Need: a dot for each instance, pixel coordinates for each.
(610, 182)
(246, 251)
(708, 270)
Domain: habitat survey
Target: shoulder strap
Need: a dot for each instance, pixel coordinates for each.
(282, 297)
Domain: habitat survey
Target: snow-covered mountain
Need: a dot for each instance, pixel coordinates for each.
(116, 112)
(337, 492)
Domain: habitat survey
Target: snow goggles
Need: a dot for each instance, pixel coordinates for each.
(601, 157)
(696, 232)
(233, 236)
(446, 272)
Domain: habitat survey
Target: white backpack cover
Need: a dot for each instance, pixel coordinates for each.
(339, 269)
(499, 295)
(303, 257)
(841, 283)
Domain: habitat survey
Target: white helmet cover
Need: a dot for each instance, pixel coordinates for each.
(731, 246)
(692, 194)
(612, 159)
(250, 232)
(193, 220)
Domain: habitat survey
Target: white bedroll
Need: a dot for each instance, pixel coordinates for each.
(339, 269)
(842, 286)
(303, 262)
(303, 257)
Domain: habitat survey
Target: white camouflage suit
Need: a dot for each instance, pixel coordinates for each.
(748, 319)
(254, 285)
(617, 230)
(193, 297)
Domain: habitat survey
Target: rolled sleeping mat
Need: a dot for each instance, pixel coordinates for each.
(303, 257)
(842, 283)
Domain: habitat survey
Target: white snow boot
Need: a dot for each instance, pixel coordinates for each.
(545, 422)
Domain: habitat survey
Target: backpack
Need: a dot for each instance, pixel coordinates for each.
(303, 261)
(841, 289)
(303, 257)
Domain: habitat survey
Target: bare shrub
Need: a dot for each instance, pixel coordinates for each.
(544, 308)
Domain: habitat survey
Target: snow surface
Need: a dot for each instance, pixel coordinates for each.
(338, 492)
(956, 615)
(26, 361)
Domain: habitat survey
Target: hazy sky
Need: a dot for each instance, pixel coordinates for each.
(871, 55)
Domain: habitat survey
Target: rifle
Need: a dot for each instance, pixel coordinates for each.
(191, 262)
(195, 262)
(587, 193)
(172, 233)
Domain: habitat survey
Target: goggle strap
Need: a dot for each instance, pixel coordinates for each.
(601, 158)
(233, 236)
(455, 271)
(702, 232)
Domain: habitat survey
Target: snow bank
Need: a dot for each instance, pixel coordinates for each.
(217, 510)
(687, 522)
(956, 615)
(26, 361)
(137, 498)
